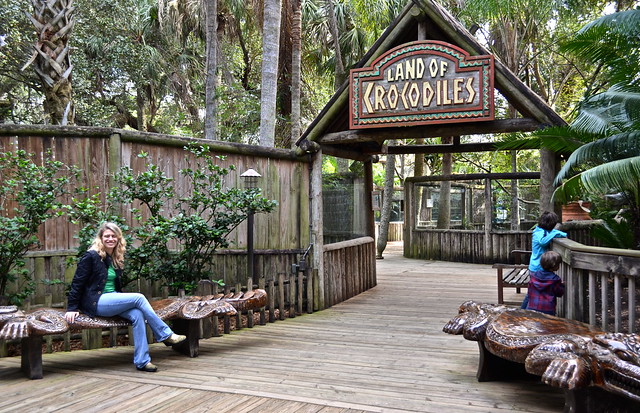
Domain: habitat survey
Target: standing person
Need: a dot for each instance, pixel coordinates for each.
(545, 285)
(96, 291)
(542, 236)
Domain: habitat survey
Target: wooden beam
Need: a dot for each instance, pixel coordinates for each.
(471, 177)
(446, 148)
(364, 156)
(434, 131)
(148, 137)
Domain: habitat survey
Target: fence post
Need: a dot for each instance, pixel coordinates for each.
(115, 156)
(308, 276)
(239, 313)
(263, 312)
(271, 295)
(292, 295)
(281, 295)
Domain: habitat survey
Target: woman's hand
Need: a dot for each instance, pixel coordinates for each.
(70, 316)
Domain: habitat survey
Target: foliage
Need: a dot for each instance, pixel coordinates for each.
(610, 163)
(525, 35)
(176, 247)
(141, 64)
(29, 195)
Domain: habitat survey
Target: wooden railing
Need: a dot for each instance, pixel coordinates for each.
(471, 246)
(349, 268)
(291, 287)
(52, 272)
(601, 285)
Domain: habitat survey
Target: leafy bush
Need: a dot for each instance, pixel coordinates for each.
(29, 195)
(176, 246)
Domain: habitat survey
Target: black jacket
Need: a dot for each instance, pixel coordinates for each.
(88, 283)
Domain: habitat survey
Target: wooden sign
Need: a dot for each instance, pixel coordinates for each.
(422, 83)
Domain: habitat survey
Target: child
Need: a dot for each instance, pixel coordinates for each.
(545, 285)
(542, 236)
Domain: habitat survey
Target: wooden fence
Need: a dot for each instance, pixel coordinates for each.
(280, 237)
(396, 229)
(350, 269)
(601, 285)
(469, 245)
(101, 152)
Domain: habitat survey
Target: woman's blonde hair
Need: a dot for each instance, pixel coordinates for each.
(118, 252)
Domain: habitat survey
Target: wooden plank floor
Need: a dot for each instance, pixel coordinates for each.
(382, 351)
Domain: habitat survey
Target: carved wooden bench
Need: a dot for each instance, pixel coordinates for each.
(599, 371)
(513, 275)
(185, 313)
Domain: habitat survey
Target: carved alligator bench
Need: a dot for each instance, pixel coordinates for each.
(185, 314)
(600, 372)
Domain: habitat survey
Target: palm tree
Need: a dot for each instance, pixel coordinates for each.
(211, 18)
(54, 21)
(608, 166)
(296, 50)
(269, 84)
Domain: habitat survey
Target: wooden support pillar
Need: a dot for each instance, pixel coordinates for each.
(549, 164)
(31, 358)
(317, 234)
(191, 329)
(368, 184)
(488, 215)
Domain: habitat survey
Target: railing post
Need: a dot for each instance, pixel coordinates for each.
(632, 304)
(617, 302)
(592, 298)
(605, 301)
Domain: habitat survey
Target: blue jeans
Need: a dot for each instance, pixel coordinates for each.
(135, 308)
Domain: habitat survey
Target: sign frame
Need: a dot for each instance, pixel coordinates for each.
(481, 68)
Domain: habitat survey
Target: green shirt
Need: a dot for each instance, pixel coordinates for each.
(110, 286)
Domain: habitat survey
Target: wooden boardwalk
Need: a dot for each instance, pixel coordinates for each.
(382, 351)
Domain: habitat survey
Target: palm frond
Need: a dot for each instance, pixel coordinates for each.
(614, 234)
(560, 139)
(620, 146)
(621, 175)
(626, 22)
(569, 191)
(611, 40)
(596, 120)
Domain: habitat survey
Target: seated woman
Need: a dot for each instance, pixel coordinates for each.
(96, 291)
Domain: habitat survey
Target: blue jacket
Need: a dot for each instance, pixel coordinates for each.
(540, 244)
(88, 283)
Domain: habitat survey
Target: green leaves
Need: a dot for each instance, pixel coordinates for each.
(29, 195)
(176, 246)
(609, 164)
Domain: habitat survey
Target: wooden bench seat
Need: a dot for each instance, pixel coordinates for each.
(185, 315)
(513, 275)
(597, 370)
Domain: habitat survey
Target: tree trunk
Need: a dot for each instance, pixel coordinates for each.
(515, 203)
(210, 119)
(333, 28)
(54, 21)
(385, 213)
(444, 203)
(270, 53)
(296, 54)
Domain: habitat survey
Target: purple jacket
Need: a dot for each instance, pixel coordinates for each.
(544, 287)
